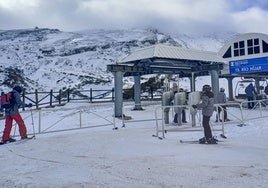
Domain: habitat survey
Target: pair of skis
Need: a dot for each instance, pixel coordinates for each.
(25, 140)
(195, 142)
(20, 141)
(189, 141)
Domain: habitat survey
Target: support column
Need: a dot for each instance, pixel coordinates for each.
(230, 88)
(215, 83)
(137, 92)
(257, 85)
(192, 82)
(118, 89)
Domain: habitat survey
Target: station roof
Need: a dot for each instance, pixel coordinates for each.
(171, 52)
(165, 59)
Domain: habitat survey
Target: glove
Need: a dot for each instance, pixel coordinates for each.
(29, 105)
(194, 106)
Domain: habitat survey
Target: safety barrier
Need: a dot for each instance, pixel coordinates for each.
(260, 105)
(246, 114)
(127, 119)
(66, 119)
(82, 117)
(190, 126)
(240, 115)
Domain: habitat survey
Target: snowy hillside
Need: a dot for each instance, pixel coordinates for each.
(47, 59)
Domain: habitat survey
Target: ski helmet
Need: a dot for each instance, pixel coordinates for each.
(18, 89)
(206, 88)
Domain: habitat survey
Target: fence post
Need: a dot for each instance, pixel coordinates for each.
(60, 96)
(80, 118)
(152, 93)
(39, 126)
(50, 100)
(36, 99)
(90, 97)
(68, 95)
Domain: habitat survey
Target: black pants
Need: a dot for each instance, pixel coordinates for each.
(207, 129)
(224, 113)
(183, 117)
(250, 103)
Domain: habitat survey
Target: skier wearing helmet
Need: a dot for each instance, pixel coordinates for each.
(12, 113)
(221, 100)
(207, 107)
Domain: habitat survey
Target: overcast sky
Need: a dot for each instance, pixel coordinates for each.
(173, 16)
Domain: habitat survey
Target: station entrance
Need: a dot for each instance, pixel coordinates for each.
(245, 56)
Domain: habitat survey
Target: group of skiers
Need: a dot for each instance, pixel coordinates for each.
(12, 113)
(252, 94)
(206, 105)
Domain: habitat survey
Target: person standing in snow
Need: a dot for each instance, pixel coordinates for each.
(207, 107)
(250, 92)
(183, 113)
(222, 100)
(167, 99)
(266, 91)
(11, 114)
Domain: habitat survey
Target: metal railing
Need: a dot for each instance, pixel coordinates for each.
(190, 126)
(49, 120)
(237, 111)
(128, 119)
(81, 117)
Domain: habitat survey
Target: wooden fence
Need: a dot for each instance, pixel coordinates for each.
(54, 98)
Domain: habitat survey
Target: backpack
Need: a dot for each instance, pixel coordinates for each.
(7, 100)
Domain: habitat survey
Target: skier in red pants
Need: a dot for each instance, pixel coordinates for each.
(11, 114)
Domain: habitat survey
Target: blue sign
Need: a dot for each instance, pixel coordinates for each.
(249, 65)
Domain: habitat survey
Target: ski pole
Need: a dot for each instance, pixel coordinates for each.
(213, 131)
(15, 130)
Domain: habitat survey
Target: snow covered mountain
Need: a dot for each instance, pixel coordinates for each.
(47, 59)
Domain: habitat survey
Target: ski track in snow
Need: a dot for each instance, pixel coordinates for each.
(131, 157)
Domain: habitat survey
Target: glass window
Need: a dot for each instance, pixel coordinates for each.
(236, 45)
(236, 53)
(250, 50)
(256, 49)
(239, 48)
(253, 46)
(256, 41)
(264, 46)
(242, 51)
(228, 53)
(241, 44)
(250, 42)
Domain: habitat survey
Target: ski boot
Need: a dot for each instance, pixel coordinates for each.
(202, 140)
(24, 137)
(212, 141)
(8, 141)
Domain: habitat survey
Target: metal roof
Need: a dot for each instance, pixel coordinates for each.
(172, 52)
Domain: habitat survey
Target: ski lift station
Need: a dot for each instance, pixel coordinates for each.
(245, 56)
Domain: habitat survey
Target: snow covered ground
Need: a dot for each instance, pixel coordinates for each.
(101, 157)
